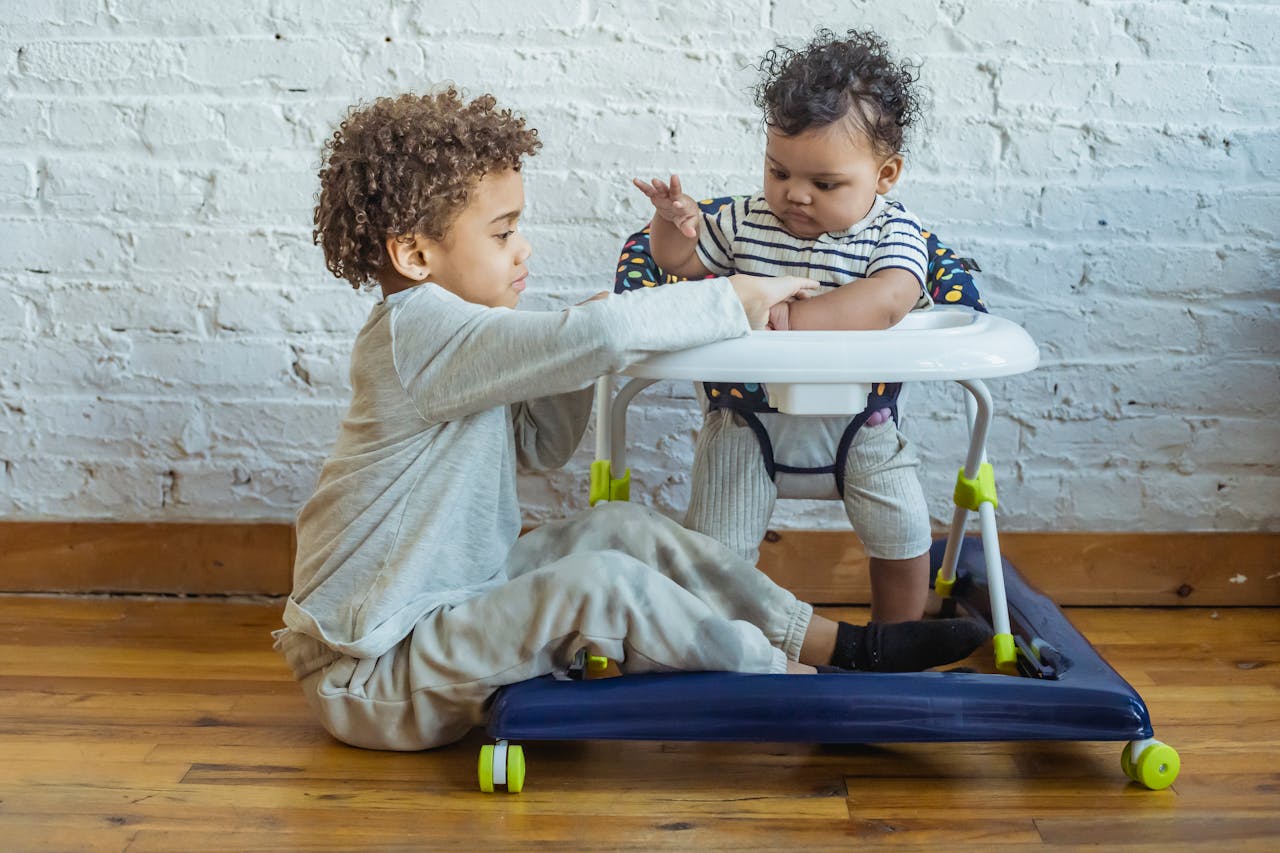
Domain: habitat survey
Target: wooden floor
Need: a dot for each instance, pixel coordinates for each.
(167, 725)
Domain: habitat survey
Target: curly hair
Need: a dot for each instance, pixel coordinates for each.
(407, 165)
(834, 78)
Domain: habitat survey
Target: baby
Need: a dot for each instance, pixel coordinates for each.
(835, 115)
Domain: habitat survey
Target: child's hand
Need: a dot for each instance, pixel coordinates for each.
(672, 204)
(759, 295)
(780, 314)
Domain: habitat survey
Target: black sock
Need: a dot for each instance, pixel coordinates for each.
(906, 646)
(849, 642)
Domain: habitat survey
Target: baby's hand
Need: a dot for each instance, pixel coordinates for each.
(672, 204)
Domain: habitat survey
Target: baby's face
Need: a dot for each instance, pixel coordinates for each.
(483, 257)
(824, 179)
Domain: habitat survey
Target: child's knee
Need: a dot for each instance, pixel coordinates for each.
(606, 574)
(619, 514)
(622, 526)
(623, 577)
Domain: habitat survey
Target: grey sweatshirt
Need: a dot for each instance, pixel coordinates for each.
(416, 507)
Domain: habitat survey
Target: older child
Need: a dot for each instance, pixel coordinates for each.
(834, 116)
(413, 600)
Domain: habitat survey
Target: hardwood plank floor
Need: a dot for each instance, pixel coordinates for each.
(140, 725)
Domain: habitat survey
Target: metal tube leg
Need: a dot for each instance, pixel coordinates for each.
(979, 482)
(978, 409)
(618, 419)
(604, 397)
(995, 570)
(601, 484)
(946, 578)
(611, 440)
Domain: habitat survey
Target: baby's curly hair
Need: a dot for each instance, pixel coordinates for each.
(407, 165)
(834, 77)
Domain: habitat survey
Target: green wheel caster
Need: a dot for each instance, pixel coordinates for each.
(1156, 765)
(515, 769)
(501, 764)
(1126, 761)
(486, 768)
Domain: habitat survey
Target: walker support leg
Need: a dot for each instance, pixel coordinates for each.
(976, 492)
(611, 440)
(946, 577)
(601, 484)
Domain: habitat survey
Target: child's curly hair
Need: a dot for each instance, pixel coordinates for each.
(407, 165)
(833, 78)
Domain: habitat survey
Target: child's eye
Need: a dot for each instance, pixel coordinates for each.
(505, 235)
(825, 186)
(779, 174)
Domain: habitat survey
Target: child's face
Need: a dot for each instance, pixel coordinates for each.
(482, 258)
(824, 179)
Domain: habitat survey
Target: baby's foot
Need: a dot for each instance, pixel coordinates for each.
(907, 646)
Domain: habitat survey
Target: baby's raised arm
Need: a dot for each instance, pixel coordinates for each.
(673, 236)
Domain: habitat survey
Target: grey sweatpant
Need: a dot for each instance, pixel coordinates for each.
(618, 580)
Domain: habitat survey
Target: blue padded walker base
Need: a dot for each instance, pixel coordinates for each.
(1083, 699)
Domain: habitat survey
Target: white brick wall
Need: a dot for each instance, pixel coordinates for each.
(173, 348)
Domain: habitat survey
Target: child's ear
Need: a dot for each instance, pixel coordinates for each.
(410, 256)
(890, 171)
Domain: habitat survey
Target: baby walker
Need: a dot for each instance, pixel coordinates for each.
(1052, 684)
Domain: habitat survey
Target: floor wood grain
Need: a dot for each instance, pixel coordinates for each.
(165, 725)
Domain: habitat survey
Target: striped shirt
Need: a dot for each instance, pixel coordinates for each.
(745, 236)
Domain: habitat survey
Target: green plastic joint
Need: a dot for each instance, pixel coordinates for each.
(1006, 654)
(604, 487)
(970, 494)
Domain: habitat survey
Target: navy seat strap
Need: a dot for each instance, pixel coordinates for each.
(883, 396)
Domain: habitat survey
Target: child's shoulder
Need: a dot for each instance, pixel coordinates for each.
(894, 212)
(427, 308)
(893, 207)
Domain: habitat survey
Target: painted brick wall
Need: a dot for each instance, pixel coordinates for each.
(173, 348)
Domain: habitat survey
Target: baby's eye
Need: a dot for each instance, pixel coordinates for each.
(825, 186)
(779, 174)
(505, 235)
